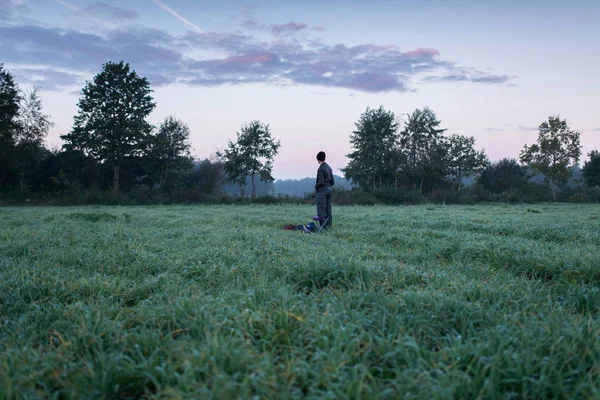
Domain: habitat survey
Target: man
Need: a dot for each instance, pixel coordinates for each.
(323, 187)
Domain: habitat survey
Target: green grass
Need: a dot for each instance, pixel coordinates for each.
(220, 302)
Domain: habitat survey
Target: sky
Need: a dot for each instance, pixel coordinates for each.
(491, 69)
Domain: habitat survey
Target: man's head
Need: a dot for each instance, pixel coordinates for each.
(321, 157)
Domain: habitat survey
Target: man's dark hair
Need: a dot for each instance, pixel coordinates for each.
(321, 156)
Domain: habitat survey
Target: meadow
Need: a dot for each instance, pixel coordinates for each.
(219, 302)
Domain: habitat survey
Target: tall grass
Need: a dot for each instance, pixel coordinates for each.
(220, 302)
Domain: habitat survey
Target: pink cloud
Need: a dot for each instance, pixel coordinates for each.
(319, 28)
(374, 47)
(420, 52)
(288, 27)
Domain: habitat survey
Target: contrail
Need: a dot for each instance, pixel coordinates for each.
(174, 13)
(64, 3)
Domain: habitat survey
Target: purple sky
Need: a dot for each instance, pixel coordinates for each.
(494, 70)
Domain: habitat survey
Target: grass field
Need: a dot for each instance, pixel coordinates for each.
(219, 302)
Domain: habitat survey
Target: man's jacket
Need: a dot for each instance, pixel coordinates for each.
(324, 177)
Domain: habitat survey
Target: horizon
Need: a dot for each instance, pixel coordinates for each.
(490, 70)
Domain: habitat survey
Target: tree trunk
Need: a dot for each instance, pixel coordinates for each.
(116, 170)
(459, 184)
(166, 175)
(553, 186)
(253, 187)
(396, 182)
(421, 187)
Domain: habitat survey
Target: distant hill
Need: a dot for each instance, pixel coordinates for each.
(301, 187)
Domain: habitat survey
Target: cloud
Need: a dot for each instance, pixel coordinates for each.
(47, 79)
(473, 78)
(319, 28)
(511, 127)
(86, 14)
(11, 9)
(420, 52)
(111, 12)
(289, 27)
(214, 58)
(595, 129)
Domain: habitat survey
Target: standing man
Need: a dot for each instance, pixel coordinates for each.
(323, 187)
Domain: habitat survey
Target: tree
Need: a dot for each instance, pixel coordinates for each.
(34, 124)
(374, 142)
(29, 138)
(209, 177)
(251, 154)
(422, 142)
(504, 176)
(170, 147)
(10, 99)
(111, 124)
(591, 169)
(463, 160)
(556, 151)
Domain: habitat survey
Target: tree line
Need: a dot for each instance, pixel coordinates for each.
(418, 156)
(112, 148)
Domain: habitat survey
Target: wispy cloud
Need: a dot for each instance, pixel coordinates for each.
(287, 27)
(112, 12)
(86, 14)
(511, 127)
(176, 15)
(48, 79)
(474, 78)
(9, 9)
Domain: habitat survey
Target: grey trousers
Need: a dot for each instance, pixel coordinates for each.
(324, 204)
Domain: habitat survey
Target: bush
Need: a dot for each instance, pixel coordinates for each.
(451, 196)
(586, 195)
(350, 197)
(391, 196)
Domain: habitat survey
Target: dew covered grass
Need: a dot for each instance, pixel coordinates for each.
(218, 302)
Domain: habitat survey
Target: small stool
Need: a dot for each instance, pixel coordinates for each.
(321, 221)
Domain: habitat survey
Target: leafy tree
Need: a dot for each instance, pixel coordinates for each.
(111, 124)
(170, 148)
(463, 159)
(556, 151)
(591, 169)
(374, 142)
(34, 124)
(424, 146)
(251, 154)
(10, 99)
(29, 138)
(504, 176)
(61, 171)
(209, 177)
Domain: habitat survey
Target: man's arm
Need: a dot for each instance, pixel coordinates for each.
(320, 179)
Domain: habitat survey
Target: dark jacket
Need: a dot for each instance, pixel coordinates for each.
(324, 177)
